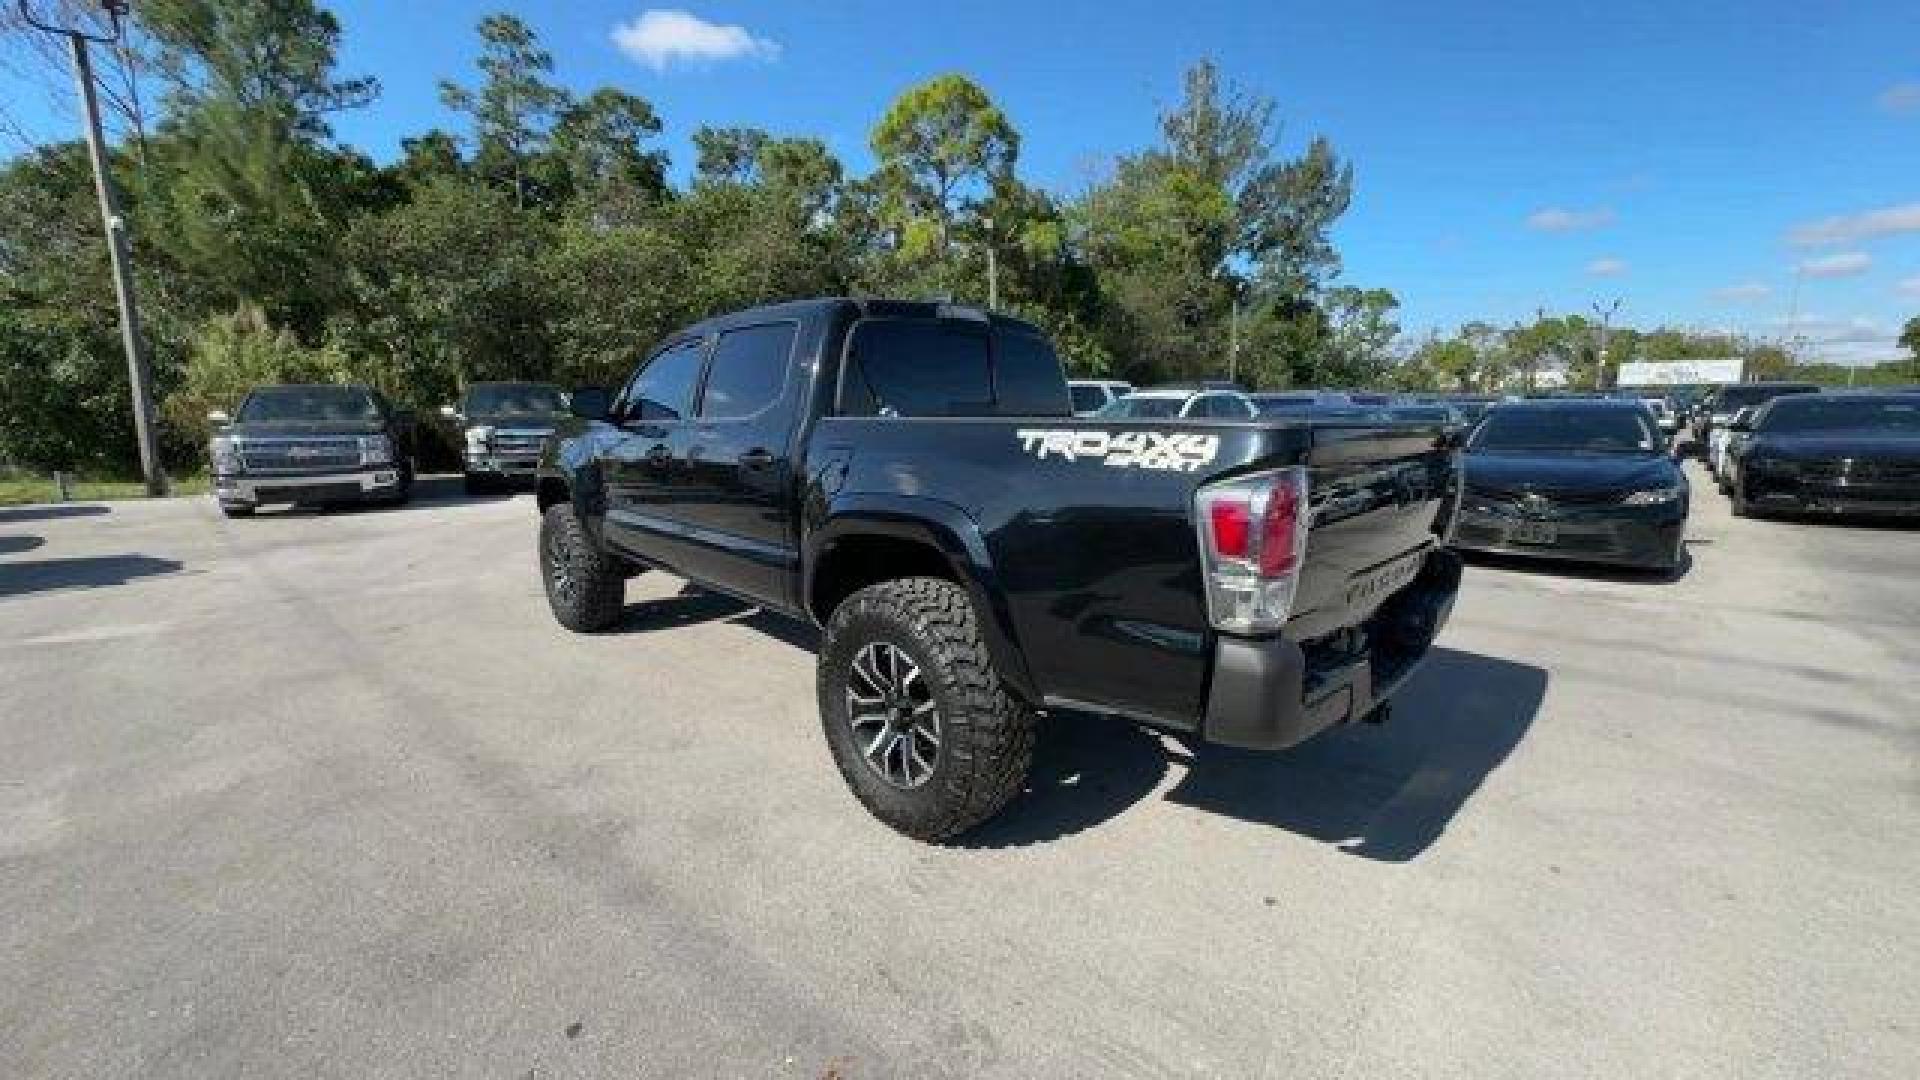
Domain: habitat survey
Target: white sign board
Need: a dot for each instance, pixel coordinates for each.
(1682, 373)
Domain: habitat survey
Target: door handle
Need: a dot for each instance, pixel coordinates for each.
(756, 458)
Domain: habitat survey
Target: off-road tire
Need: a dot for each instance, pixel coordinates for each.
(986, 743)
(592, 591)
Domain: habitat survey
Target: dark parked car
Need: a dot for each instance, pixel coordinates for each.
(503, 427)
(1834, 453)
(1581, 479)
(1299, 402)
(313, 444)
(1717, 408)
(910, 477)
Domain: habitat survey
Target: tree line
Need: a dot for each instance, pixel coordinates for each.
(542, 238)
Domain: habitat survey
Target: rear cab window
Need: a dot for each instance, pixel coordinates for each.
(907, 367)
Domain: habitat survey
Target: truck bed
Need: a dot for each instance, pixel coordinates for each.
(1088, 528)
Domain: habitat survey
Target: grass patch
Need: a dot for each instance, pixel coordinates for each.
(21, 490)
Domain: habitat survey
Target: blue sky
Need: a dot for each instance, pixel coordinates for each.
(1683, 157)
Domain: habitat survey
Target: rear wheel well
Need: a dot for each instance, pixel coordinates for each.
(855, 562)
(552, 491)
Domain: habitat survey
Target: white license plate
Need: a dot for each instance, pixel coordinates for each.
(1533, 532)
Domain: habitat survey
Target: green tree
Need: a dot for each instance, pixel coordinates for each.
(940, 144)
(234, 353)
(434, 155)
(1212, 219)
(599, 144)
(274, 57)
(1360, 332)
(63, 393)
(1910, 341)
(445, 289)
(515, 106)
(727, 155)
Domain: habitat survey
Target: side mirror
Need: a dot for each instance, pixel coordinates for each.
(590, 402)
(219, 417)
(449, 412)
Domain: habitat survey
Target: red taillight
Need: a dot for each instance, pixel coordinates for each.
(1232, 528)
(1279, 555)
(1271, 543)
(1253, 536)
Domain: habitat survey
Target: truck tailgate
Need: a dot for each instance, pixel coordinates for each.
(1380, 495)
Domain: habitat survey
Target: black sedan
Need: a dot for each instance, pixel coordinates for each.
(1843, 453)
(1585, 480)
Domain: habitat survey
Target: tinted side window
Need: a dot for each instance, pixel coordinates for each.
(916, 367)
(749, 368)
(663, 388)
(1027, 376)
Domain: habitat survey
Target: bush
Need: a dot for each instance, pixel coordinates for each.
(232, 354)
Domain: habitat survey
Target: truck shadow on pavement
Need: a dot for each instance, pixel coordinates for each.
(1382, 792)
(94, 572)
(50, 511)
(691, 605)
(429, 493)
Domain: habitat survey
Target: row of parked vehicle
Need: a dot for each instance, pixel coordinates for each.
(1588, 478)
(1224, 400)
(1793, 448)
(324, 444)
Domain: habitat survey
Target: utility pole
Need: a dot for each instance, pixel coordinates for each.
(119, 252)
(1533, 354)
(993, 269)
(1600, 350)
(1233, 339)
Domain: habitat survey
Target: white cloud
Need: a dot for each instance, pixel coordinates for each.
(661, 37)
(1607, 267)
(1901, 99)
(1556, 219)
(1855, 341)
(1843, 264)
(1909, 286)
(1849, 228)
(1745, 291)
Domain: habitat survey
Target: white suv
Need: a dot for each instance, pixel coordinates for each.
(1092, 395)
(1182, 405)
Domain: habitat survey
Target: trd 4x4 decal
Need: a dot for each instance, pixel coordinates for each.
(1171, 451)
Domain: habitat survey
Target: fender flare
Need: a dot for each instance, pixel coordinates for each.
(944, 528)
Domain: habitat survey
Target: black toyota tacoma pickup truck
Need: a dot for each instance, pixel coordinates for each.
(910, 477)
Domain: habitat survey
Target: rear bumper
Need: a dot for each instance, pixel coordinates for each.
(1270, 693)
(253, 490)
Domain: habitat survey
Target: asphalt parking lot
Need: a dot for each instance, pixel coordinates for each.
(331, 795)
